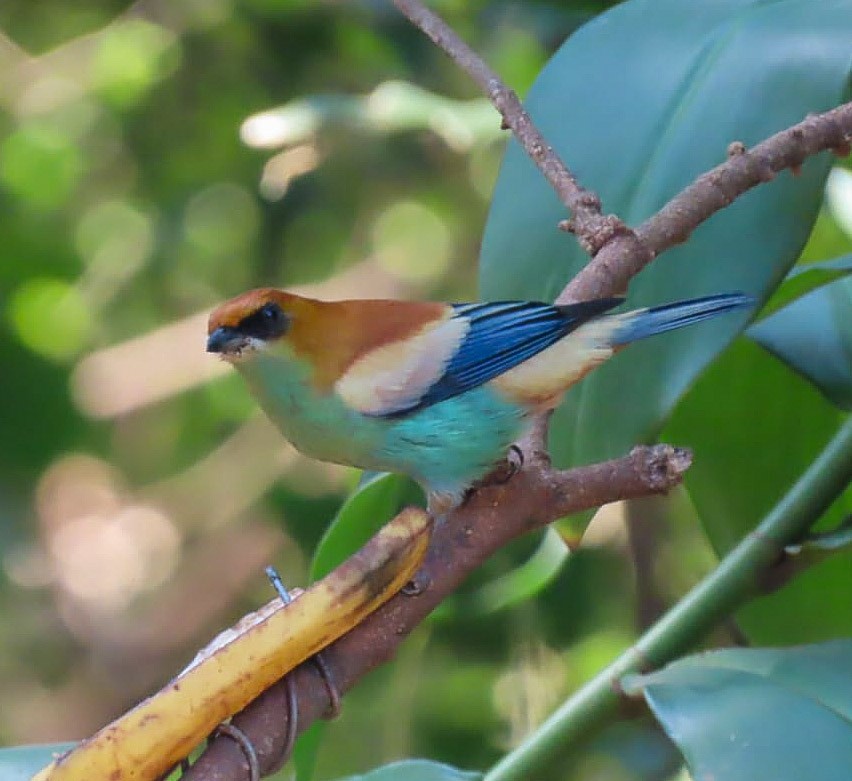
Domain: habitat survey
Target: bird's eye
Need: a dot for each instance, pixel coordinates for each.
(270, 313)
(267, 322)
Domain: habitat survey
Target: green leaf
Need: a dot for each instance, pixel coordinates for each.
(784, 714)
(524, 581)
(376, 500)
(806, 277)
(813, 335)
(306, 751)
(22, 762)
(639, 102)
(416, 770)
(754, 427)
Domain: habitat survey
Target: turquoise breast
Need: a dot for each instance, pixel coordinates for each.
(444, 447)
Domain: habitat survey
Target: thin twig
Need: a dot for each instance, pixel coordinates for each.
(593, 229)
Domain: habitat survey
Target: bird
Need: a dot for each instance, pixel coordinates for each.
(436, 391)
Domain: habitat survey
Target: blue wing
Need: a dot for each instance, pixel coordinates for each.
(503, 334)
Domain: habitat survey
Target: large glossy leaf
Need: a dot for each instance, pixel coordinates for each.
(813, 335)
(22, 762)
(807, 277)
(754, 426)
(416, 770)
(639, 102)
(746, 714)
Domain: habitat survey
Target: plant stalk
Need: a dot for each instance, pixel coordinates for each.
(733, 582)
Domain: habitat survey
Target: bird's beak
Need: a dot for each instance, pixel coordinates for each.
(224, 340)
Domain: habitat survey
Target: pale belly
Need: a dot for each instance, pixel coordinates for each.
(445, 447)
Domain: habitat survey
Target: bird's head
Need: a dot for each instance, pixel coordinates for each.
(251, 322)
(324, 337)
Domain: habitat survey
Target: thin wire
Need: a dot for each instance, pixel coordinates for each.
(334, 704)
(236, 734)
(278, 585)
(290, 689)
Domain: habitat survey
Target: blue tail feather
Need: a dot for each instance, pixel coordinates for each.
(660, 319)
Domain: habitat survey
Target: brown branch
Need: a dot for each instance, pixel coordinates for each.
(492, 517)
(616, 264)
(618, 252)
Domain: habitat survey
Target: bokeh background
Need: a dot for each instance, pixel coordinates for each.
(156, 158)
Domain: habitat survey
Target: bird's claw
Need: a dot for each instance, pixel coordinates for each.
(507, 469)
(515, 460)
(417, 585)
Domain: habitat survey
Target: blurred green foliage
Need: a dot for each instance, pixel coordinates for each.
(156, 158)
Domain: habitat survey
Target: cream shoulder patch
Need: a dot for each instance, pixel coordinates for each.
(394, 377)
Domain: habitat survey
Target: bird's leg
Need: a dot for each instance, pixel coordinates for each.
(438, 505)
(504, 471)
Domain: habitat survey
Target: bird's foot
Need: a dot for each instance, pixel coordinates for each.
(514, 461)
(506, 469)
